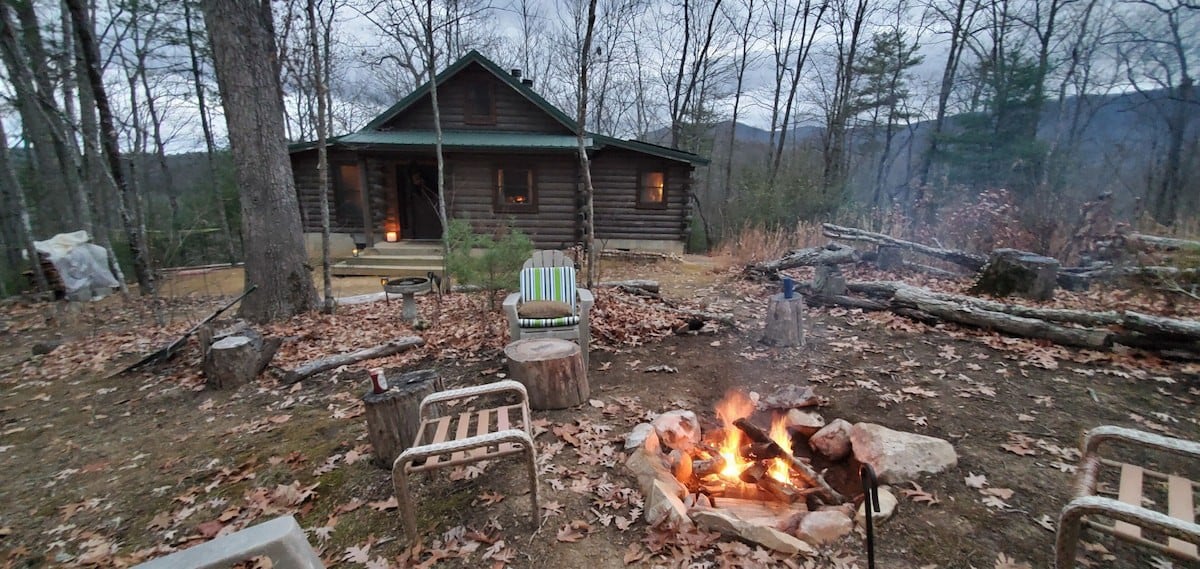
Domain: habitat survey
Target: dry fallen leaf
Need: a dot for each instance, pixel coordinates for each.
(976, 480)
(384, 505)
(1005, 562)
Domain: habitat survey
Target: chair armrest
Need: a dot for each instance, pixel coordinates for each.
(1100, 435)
(1138, 516)
(510, 304)
(585, 295)
(474, 391)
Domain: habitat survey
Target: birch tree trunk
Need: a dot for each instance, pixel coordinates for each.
(243, 42)
(585, 164)
(318, 70)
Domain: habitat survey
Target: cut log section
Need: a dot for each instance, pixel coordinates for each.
(333, 362)
(785, 321)
(551, 370)
(393, 417)
(643, 284)
(1012, 272)
(236, 360)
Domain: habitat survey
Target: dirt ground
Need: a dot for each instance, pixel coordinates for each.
(108, 471)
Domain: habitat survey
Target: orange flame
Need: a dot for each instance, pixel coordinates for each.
(737, 405)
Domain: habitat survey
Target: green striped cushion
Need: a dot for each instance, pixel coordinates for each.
(547, 322)
(549, 283)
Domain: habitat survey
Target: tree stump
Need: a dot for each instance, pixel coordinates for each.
(552, 371)
(393, 417)
(889, 258)
(828, 280)
(785, 321)
(1009, 272)
(235, 355)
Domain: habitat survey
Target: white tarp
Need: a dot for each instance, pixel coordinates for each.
(80, 263)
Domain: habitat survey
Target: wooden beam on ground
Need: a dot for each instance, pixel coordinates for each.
(333, 362)
(831, 254)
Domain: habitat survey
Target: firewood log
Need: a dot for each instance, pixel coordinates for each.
(804, 471)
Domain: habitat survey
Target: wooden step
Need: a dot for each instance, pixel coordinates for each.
(366, 270)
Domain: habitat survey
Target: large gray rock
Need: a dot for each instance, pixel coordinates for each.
(649, 467)
(677, 429)
(827, 526)
(898, 456)
(804, 422)
(790, 396)
(637, 437)
(764, 535)
(833, 440)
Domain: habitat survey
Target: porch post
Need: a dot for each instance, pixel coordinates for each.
(368, 219)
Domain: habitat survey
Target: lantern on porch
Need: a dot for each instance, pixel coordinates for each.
(392, 236)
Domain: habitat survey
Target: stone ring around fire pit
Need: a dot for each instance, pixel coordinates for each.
(742, 482)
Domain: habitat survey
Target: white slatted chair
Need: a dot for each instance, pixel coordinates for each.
(550, 275)
(471, 436)
(1130, 518)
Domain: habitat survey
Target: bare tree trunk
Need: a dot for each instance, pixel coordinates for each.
(431, 68)
(585, 164)
(960, 24)
(243, 41)
(210, 147)
(108, 136)
(743, 62)
(16, 197)
(318, 70)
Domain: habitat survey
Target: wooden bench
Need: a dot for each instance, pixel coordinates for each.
(1131, 520)
(472, 436)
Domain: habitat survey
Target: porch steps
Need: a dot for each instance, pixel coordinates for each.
(403, 259)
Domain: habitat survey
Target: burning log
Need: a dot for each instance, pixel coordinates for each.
(757, 475)
(804, 471)
(707, 466)
(760, 451)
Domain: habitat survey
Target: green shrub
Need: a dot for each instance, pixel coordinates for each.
(476, 259)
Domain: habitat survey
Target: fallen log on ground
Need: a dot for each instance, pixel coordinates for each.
(963, 313)
(720, 317)
(643, 284)
(971, 261)
(169, 350)
(1154, 242)
(333, 362)
(1176, 329)
(831, 254)
(1112, 272)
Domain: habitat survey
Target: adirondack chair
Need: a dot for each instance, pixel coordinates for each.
(1128, 512)
(550, 275)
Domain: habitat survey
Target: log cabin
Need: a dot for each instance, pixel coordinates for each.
(511, 159)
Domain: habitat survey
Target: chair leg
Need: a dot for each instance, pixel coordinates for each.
(407, 515)
(1066, 541)
(533, 486)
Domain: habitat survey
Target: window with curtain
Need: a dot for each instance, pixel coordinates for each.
(515, 190)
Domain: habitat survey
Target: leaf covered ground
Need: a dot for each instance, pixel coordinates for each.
(109, 471)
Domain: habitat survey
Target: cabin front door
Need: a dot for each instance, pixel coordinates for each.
(417, 185)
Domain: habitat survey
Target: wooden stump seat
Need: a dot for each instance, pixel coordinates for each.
(471, 436)
(1132, 521)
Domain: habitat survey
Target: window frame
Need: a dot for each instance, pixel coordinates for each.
(469, 115)
(339, 193)
(641, 180)
(498, 203)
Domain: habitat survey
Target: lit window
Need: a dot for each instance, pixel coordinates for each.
(653, 190)
(515, 190)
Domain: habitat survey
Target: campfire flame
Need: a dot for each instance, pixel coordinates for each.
(737, 405)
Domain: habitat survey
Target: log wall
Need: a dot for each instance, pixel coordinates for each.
(514, 113)
(615, 174)
(308, 191)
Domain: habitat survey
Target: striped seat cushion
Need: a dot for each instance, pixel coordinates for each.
(548, 283)
(547, 322)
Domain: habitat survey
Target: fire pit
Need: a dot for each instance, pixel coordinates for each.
(788, 486)
(408, 288)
